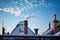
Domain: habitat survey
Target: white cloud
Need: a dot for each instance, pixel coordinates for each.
(24, 7)
(43, 3)
(31, 5)
(17, 12)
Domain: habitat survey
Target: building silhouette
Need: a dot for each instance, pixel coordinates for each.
(22, 29)
(55, 30)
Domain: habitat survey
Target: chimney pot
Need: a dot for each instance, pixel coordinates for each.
(36, 31)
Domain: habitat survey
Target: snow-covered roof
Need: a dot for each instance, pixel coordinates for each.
(57, 34)
(19, 30)
(47, 32)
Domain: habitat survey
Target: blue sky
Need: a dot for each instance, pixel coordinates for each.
(13, 11)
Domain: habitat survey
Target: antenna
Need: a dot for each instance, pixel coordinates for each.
(2, 23)
(54, 16)
(3, 29)
(49, 24)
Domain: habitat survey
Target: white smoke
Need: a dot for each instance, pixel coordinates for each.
(30, 16)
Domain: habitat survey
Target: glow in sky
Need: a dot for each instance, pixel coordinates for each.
(13, 11)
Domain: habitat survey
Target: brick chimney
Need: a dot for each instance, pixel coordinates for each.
(54, 24)
(25, 27)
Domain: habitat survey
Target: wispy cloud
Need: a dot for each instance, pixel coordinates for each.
(28, 5)
(43, 3)
(11, 11)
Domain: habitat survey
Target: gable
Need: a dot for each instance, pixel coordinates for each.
(19, 30)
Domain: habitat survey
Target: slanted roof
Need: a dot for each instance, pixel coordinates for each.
(19, 29)
(57, 34)
(47, 32)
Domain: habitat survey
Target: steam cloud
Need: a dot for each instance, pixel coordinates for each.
(31, 16)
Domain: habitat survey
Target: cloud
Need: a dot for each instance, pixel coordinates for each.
(24, 7)
(11, 10)
(28, 5)
(43, 3)
(17, 12)
(31, 5)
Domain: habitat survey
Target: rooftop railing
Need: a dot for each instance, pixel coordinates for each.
(15, 37)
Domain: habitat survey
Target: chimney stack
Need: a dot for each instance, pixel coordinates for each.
(25, 26)
(36, 31)
(49, 25)
(3, 30)
(54, 16)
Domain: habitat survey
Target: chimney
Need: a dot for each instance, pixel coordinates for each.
(36, 31)
(3, 30)
(7, 32)
(49, 25)
(25, 26)
(54, 16)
